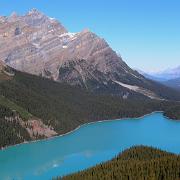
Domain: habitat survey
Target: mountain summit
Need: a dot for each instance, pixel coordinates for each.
(37, 44)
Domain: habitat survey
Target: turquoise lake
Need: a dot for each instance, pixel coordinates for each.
(87, 146)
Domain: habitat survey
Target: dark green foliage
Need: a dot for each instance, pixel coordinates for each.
(136, 163)
(5, 112)
(14, 107)
(65, 107)
(173, 112)
(11, 132)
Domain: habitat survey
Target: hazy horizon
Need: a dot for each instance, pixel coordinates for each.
(146, 34)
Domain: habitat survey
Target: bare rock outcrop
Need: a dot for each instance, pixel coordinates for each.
(40, 45)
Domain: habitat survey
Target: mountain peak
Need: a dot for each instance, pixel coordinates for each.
(13, 14)
(34, 11)
(86, 30)
(42, 46)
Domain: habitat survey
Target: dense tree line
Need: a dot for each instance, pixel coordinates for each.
(5, 112)
(173, 112)
(11, 132)
(65, 107)
(136, 163)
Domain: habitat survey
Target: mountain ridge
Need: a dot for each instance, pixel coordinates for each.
(169, 78)
(168, 74)
(39, 45)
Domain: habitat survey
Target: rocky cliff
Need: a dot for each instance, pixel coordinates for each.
(37, 44)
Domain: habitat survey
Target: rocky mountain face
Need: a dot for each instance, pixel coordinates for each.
(37, 44)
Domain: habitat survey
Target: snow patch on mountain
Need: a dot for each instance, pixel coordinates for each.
(131, 87)
(140, 90)
(69, 34)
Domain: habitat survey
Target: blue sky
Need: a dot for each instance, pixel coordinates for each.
(145, 32)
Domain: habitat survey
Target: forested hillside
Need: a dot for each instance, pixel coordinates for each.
(11, 131)
(63, 107)
(136, 163)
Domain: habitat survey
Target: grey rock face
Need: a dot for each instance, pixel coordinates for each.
(37, 44)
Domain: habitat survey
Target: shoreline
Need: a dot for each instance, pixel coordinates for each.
(78, 127)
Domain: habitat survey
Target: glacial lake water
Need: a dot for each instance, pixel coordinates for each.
(87, 146)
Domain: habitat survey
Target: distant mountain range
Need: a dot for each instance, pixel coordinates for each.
(39, 45)
(168, 74)
(151, 76)
(169, 77)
